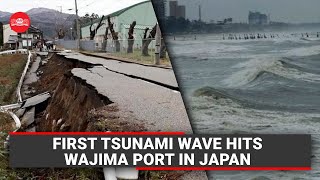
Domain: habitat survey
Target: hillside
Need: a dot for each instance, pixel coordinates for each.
(45, 19)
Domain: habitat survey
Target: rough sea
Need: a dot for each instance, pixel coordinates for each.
(252, 86)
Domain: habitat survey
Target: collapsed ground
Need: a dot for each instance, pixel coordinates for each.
(74, 106)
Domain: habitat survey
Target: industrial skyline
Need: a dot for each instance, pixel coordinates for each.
(291, 11)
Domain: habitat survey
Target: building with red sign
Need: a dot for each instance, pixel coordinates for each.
(14, 40)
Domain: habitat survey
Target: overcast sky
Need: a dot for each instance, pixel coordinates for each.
(85, 6)
(279, 10)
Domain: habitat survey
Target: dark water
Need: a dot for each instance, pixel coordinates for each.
(252, 86)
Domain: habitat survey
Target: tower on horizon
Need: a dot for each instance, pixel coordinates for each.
(177, 11)
(200, 13)
(160, 8)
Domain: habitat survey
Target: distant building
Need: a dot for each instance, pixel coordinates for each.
(173, 8)
(143, 13)
(13, 40)
(1, 35)
(160, 8)
(257, 18)
(8, 35)
(31, 38)
(177, 11)
(181, 13)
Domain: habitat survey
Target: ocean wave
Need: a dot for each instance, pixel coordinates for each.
(310, 39)
(219, 97)
(303, 51)
(252, 69)
(227, 115)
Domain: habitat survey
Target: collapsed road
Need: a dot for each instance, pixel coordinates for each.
(141, 94)
(70, 92)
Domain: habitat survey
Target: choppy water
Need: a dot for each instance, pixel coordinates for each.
(252, 86)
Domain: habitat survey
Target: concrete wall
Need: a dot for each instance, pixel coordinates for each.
(67, 44)
(87, 45)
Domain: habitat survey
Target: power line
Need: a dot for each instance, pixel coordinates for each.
(88, 4)
(83, 2)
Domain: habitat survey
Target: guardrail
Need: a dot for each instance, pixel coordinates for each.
(21, 51)
(22, 77)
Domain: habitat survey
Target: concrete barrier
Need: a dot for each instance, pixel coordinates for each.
(87, 45)
(67, 44)
(22, 78)
(20, 51)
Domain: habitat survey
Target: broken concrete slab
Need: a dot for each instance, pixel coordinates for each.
(153, 74)
(20, 112)
(35, 100)
(40, 53)
(28, 118)
(31, 75)
(160, 108)
(32, 129)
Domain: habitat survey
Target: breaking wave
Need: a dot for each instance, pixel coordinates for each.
(253, 69)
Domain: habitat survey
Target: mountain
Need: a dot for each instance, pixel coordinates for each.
(2, 14)
(47, 20)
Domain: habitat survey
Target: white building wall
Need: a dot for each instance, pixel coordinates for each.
(7, 31)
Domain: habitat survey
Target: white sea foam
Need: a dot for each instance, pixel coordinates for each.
(249, 70)
(304, 51)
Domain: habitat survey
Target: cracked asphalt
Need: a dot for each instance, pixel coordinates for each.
(142, 94)
(155, 74)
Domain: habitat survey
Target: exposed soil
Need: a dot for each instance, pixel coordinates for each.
(107, 119)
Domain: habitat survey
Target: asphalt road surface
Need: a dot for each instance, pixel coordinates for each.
(143, 94)
(155, 74)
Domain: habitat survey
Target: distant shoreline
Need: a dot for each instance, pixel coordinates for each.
(246, 28)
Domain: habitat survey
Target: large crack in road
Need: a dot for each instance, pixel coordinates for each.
(129, 97)
(87, 91)
(142, 94)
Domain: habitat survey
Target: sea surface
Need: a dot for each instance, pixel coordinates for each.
(252, 86)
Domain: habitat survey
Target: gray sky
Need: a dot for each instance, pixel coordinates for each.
(280, 10)
(85, 6)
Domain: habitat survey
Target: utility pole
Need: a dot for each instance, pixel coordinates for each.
(28, 39)
(158, 45)
(60, 9)
(78, 26)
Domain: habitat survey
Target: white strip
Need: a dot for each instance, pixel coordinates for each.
(22, 78)
(9, 107)
(16, 120)
(14, 51)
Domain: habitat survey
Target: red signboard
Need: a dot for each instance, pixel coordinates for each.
(20, 22)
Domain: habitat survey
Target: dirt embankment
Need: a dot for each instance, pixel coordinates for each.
(71, 100)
